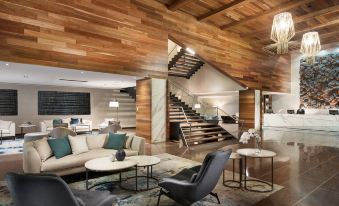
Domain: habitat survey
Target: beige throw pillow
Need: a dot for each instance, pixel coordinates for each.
(78, 144)
(96, 141)
(43, 148)
(128, 142)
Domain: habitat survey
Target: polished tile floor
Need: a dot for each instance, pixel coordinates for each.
(307, 165)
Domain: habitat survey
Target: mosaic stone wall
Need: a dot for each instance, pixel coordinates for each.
(319, 83)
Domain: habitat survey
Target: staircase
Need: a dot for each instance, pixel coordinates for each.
(194, 128)
(184, 64)
(127, 107)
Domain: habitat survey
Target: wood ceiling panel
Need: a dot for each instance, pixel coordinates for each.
(253, 19)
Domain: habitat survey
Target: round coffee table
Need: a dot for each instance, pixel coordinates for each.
(253, 153)
(104, 164)
(147, 162)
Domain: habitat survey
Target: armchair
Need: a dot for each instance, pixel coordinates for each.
(106, 122)
(51, 190)
(61, 132)
(7, 129)
(191, 185)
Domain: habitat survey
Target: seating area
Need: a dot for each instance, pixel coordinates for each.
(76, 124)
(169, 102)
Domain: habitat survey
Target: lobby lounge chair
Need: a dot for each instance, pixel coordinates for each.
(51, 190)
(110, 128)
(191, 185)
(61, 132)
(7, 129)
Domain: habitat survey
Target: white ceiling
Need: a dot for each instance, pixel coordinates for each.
(45, 75)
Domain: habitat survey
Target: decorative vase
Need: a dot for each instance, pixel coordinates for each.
(120, 155)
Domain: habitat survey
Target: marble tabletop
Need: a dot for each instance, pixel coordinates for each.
(144, 160)
(105, 164)
(252, 152)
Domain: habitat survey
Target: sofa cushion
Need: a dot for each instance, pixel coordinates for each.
(60, 147)
(78, 144)
(57, 122)
(73, 161)
(4, 131)
(115, 141)
(5, 124)
(75, 121)
(43, 148)
(48, 123)
(66, 120)
(96, 141)
(128, 141)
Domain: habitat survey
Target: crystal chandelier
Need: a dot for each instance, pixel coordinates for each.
(282, 31)
(310, 46)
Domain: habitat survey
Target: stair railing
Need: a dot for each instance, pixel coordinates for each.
(188, 97)
(240, 121)
(190, 127)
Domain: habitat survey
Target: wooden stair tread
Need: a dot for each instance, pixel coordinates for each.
(202, 129)
(198, 124)
(202, 139)
(207, 133)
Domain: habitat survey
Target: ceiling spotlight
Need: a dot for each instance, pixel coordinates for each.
(82, 72)
(191, 51)
(7, 64)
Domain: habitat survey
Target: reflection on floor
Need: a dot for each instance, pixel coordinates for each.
(307, 165)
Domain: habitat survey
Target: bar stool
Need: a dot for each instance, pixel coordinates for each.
(228, 183)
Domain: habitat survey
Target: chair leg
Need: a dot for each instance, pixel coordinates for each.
(216, 196)
(160, 193)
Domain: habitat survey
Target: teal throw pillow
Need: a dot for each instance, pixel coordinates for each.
(60, 147)
(116, 141)
(57, 122)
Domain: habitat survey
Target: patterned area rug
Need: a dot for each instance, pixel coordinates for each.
(168, 166)
(11, 146)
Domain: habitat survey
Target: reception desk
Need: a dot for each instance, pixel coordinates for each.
(307, 121)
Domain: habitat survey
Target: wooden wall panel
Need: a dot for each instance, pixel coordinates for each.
(127, 37)
(144, 108)
(98, 35)
(247, 107)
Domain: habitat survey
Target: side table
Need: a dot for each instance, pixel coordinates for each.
(22, 126)
(228, 183)
(252, 153)
(146, 162)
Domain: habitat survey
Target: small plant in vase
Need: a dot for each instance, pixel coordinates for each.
(252, 133)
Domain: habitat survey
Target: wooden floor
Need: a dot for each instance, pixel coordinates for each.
(307, 165)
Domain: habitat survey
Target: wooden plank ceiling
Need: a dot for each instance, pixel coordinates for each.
(253, 18)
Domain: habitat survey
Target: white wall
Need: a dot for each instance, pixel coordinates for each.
(214, 88)
(28, 105)
(208, 81)
(282, 102)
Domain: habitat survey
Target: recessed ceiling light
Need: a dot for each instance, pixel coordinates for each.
(7, 64)
(191, 51)
(82, 72)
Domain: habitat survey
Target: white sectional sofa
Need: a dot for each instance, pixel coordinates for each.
(71, 164)
(86, 126)
(7, 128)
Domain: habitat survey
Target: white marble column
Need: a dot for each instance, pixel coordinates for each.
(159, 106)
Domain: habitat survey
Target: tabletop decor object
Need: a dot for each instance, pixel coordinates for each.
(120, 155)
(252, 133)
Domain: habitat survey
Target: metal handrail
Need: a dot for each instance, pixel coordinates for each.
(189, 123)
(236, 119)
